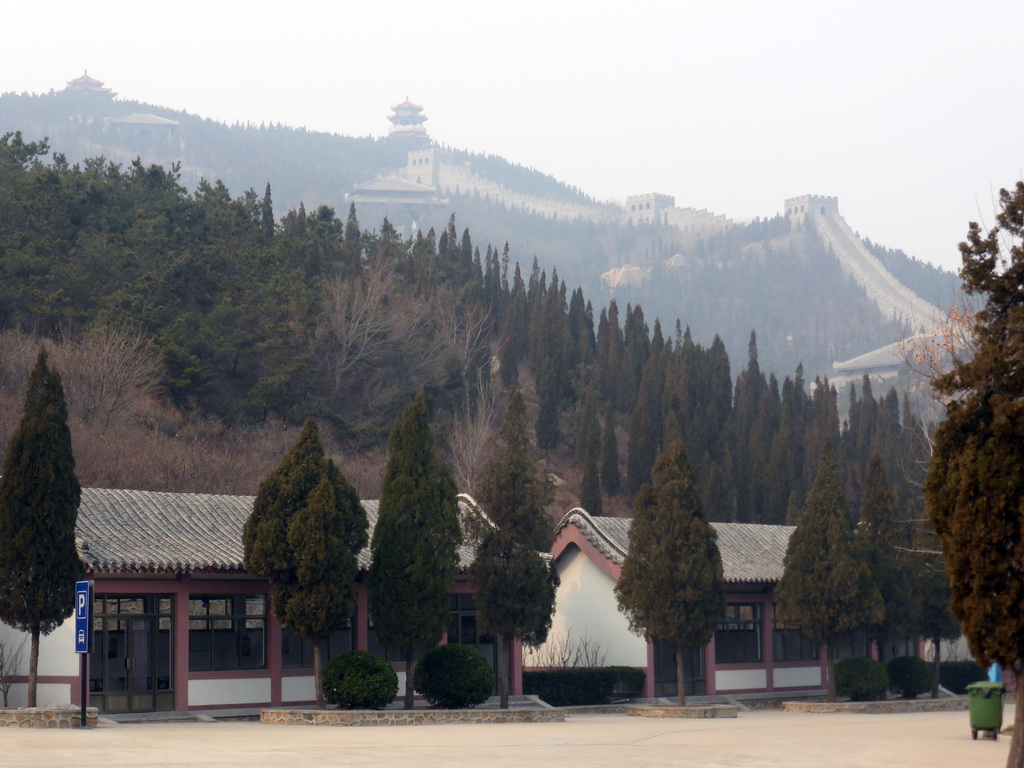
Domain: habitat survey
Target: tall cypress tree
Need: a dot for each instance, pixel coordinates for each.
(671, 588)
(513, 584)
(304, 534)
(588, 452)
(887, 540)
(611, 475)
(415, 543)
(826, 588)
(39, 497)
(975, 486)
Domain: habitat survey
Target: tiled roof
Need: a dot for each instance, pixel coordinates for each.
(750, 552)
(122, 531)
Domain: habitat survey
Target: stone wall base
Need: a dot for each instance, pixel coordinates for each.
(48, 717)
(357, 717)
(696, 711)
(892, 706)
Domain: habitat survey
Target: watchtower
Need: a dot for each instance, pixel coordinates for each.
(648, 208)
(797, 208)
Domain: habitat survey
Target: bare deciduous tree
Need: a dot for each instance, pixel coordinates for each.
(468, 332)
(565, 651)
(356, 321)
(10, 664)
(471, 437)
(106, 371)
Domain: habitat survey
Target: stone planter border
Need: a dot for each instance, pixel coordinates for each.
(892, 706)
(694, 711)
(357, 717)
(48, 717)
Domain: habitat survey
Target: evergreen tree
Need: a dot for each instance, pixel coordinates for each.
(886, 540)
(645, 424)
(671, 587)
(975, 485)
(267, 216)
(826, 588)
(513, 584)
(304, 535)
(590, 486)
(39, 497)
(549, 393)
(611, 476)
(588, 452)
(415, 542)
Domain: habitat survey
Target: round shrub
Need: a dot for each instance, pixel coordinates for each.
(359, 680)
(861, 679)
(909, 676)
(454, 676)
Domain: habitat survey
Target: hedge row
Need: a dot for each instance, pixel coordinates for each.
(957, 675)
(581, 686)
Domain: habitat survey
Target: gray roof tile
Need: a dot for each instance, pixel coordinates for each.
(750, 552)
(121, 531)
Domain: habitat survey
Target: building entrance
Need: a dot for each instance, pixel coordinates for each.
(131, 654)
(695, 682)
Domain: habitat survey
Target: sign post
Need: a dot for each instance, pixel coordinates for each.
(83, 609)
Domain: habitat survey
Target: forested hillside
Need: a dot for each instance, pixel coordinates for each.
(196, 331)
(754, 275)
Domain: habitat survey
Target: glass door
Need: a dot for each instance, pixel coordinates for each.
(130, 665)
(695, 682)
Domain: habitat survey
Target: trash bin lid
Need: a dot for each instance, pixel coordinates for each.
(982, 685)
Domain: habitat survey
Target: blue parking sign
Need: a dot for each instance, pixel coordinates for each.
(83, 607)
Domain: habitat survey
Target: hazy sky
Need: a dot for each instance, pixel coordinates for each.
(910, 112)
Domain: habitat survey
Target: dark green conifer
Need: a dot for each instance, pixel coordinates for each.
(549, 394)
(887, 540)
(415, 542)
(267, 223)
(671, 587)
(39, 497)
(514, 587)
(826, 588)
(304, 534)
(975, 485)
(611, 475)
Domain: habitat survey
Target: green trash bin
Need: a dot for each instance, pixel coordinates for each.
(985, 704)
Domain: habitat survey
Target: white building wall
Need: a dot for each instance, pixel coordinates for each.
(298, 689)
(586, 609)
(46, 693)
(741, 679)
(228, 692)
(798, 677)
(56, 650)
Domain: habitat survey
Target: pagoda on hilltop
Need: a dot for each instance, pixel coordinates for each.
(86, 84)
(407, 121)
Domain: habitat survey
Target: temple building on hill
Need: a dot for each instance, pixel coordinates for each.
(407, 121)
(86, 84)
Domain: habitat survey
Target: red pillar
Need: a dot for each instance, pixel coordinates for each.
(649, 677)
(361, 636)
(767, 645)
(274, 657)
(180, 644)
(517, 667)
(709, 668)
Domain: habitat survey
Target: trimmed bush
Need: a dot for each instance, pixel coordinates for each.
(861, 679)
(955, 676)
(630, 682)
(454, 676)
(909, 676)
(583, 686)
(359, 680)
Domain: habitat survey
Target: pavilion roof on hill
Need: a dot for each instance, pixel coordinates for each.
(84, 83)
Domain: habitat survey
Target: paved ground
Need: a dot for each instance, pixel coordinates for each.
(766, 738)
